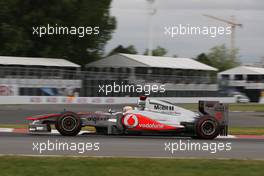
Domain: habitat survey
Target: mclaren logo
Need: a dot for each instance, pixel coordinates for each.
(130, 120)
(163, 107)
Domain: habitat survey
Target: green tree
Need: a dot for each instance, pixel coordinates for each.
(159, 51)
(204, 59)
(17, 18)
(121, 49)
(219, 57)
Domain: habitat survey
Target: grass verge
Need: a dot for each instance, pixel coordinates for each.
(13, 126)
(70, 166)
(247, 107)
(246, 130)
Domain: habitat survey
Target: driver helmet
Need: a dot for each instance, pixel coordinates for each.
(127, 108)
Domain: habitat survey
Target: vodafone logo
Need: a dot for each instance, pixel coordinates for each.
(130, 120)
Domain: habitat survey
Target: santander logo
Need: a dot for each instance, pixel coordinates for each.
(130, 120)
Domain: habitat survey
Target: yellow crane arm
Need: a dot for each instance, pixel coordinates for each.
(223, 20)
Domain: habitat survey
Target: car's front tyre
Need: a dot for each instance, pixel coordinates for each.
(68, 124)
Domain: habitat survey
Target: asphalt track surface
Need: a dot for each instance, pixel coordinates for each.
(124, 146)
(131, 146)
(16, 114)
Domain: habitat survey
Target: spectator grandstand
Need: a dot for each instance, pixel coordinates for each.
(38, 76)
(182, 77)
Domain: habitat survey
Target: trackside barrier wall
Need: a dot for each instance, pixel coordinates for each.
(101, 100)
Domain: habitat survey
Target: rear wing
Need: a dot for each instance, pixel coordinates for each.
(217, 110)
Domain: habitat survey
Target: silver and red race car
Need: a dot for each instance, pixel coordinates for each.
(150, 116)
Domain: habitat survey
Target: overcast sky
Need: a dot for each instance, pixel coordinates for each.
(132, 25)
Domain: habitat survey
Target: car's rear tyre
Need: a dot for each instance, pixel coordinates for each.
(207, 128)
(68, 124)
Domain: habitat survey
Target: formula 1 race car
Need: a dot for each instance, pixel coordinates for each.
(150, 116)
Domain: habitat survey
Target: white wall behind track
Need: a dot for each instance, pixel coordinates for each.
(101, 100)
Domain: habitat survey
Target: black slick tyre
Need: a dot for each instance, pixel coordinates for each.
(68, 124)
(207, 128)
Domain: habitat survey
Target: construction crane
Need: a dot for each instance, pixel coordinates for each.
(233, 25)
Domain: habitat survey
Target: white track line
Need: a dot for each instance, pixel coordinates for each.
(81, 132)
(6, 130)
(226, 137)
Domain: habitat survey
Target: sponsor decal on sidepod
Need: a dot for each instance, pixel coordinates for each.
(142, 122)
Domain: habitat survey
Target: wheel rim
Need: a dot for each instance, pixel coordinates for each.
(208, 127)
(69, 123)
